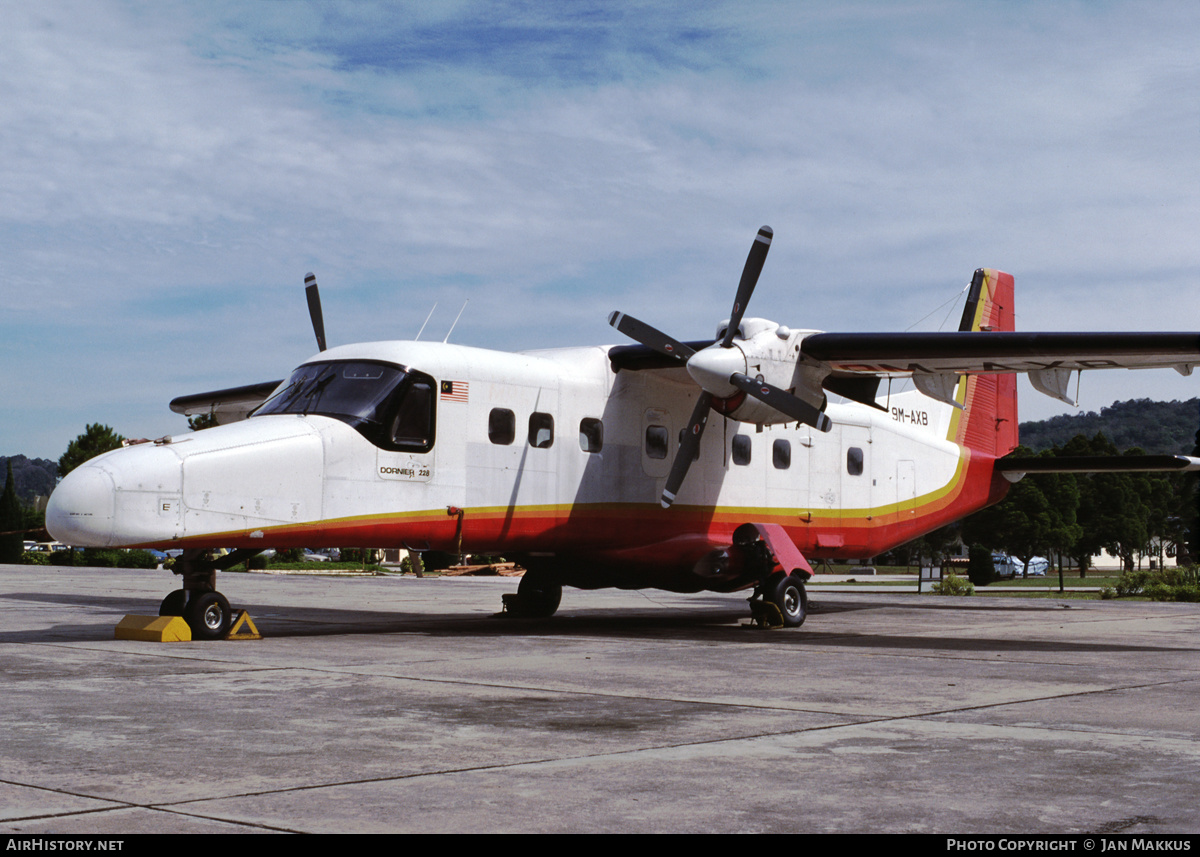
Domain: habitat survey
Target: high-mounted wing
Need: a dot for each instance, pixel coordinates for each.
(974, 353)
(855, 361)
(227, 406)
(935, 360)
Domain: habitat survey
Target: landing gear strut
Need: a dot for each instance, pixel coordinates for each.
(206, 611)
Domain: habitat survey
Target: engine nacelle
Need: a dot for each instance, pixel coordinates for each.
(771, 353)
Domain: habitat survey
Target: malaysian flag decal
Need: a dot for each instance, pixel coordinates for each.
(454, 391)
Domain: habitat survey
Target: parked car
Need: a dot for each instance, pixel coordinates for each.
(1007, 566)
(1010, 566)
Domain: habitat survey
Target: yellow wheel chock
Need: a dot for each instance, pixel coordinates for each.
(173, 629)
(154, 629)
(240, 618)
(766, 614)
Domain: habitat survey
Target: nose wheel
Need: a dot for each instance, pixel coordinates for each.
(208, 614)
(206, 611)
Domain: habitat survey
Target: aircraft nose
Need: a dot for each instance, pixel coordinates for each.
(125, 497)
(81, 509)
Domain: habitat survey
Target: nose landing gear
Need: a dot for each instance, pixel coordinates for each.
(206, 611)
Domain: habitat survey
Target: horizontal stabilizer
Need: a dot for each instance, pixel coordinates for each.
(1097, 464)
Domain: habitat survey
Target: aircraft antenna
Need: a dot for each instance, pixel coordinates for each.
(952, 301)
(456, 318)
(422, 330)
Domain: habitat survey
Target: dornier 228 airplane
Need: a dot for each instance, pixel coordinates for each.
(597, 466)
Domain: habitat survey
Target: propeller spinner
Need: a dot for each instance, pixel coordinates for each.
(716, 369)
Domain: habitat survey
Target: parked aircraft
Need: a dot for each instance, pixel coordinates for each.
(597, 466)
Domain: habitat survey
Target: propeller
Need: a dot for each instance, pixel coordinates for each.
(717, 369)
(314, 308)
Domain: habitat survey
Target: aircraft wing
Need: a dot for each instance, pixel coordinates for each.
(228, 406)
(983, 352)
(856, 361)
(639, 357)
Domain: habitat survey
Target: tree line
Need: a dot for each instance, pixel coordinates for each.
(1074, 516)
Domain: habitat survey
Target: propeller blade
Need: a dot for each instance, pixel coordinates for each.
(687, 448)
(649, 336)
(782, 401)
(314, 309)
(754, 266)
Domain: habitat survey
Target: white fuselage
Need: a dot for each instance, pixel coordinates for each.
(580, 470)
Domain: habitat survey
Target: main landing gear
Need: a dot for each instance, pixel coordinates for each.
(206, 611)
(767, 553)
(786, 594)
(538, 596)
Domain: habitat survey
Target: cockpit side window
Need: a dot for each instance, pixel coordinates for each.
(412, 426)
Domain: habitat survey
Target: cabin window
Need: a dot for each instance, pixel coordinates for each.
(502, 426)
(392, 407)
(541, 430)
(656, 441)
(854, 461)
(781, 454)
(591, 434)
(741, 449)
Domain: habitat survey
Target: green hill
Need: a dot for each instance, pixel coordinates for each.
(1156, 427)
(34, 476)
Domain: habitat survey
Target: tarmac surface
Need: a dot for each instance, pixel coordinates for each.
(404, 705)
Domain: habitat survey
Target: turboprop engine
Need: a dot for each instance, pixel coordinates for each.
(752, 373)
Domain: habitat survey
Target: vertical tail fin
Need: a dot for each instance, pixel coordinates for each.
(988, 422)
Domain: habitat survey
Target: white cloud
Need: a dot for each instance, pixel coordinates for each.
(168, 175)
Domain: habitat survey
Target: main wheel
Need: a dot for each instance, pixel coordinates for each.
(172, 605)
(787, 593)
(538, 596)
(209, 616)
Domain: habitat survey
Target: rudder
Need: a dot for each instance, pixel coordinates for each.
(988, 422)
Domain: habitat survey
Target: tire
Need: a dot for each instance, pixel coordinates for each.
(438, 560)
(538, 596)
(787, 593)
(209, 616)
(172, 605)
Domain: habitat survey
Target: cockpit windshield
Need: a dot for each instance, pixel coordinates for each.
(390, 406)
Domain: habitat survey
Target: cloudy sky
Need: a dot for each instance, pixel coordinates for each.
(170, 172)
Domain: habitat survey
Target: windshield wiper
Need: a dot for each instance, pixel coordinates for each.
(316, 390)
